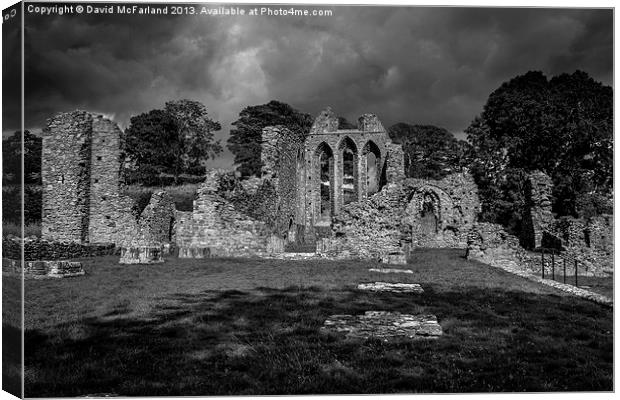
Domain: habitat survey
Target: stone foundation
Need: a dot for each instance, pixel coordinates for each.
(42, 269)
(142, 255)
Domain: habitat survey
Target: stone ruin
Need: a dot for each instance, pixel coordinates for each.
(587, 241)
(82, 199)
(342, 194)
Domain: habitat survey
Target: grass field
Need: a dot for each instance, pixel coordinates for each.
(222, 326)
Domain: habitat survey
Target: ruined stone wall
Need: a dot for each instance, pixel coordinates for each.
(537, 217)
(370, 228)
(395, 166)
(40, 249)
(491, 244)
(280, 157)
(154, 226)
(441, 212)
(370, 136)
(65, 174)
(110, 215)
(390, 221)
(590, 242)
(217, 228)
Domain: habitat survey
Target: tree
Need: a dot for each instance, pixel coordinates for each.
(174, 141)
(12, 158)
(245, 138)
(561, 126)
(195, 130)
(430, 152)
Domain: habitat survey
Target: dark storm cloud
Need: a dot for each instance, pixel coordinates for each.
(419, 65)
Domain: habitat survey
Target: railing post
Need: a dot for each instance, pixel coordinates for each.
(542, 262)
(564, 262)
(576, 273)
(552, 264)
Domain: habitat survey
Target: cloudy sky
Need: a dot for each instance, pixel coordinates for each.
(418, 65)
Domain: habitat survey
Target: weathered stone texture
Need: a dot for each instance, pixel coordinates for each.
(142, 255)
(491, 244)
(217, 229)
(369, 228)
(65, 174)
(405, 215)
(283, 166)
(391, 287)
(441, 212)
(391, 270)
(80, 175)
(384, 325)
(357, 182)
(369, 123)
(42, 269)
(40, 249)
(589, 241)
(155, 223)
(537, 217)
(395, 166)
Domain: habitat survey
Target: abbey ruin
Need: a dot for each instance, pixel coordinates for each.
(341, 193)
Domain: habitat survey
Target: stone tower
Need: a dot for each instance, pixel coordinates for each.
(80, 175)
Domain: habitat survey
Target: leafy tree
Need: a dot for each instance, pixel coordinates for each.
(561, 126)
(174, 141)
(430, 152)
(245, 138)
(195, 130)
(12, 158)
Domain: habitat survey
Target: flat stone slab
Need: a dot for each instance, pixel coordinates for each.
(391, 270)
(384, 325)
(391, 287)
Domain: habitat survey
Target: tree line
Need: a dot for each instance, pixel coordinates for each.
(562, 126)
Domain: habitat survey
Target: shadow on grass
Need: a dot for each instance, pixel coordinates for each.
(267, 341)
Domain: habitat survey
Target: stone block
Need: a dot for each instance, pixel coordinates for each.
(142, 255)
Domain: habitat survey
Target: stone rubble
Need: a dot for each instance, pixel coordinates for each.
(391, 287)
(384, 325)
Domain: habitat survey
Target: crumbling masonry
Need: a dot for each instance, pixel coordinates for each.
(341, 193)
(82, 202)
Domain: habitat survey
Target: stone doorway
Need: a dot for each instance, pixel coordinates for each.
(428, 217)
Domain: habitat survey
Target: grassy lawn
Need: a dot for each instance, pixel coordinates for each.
(11, 335)
(221, 326)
